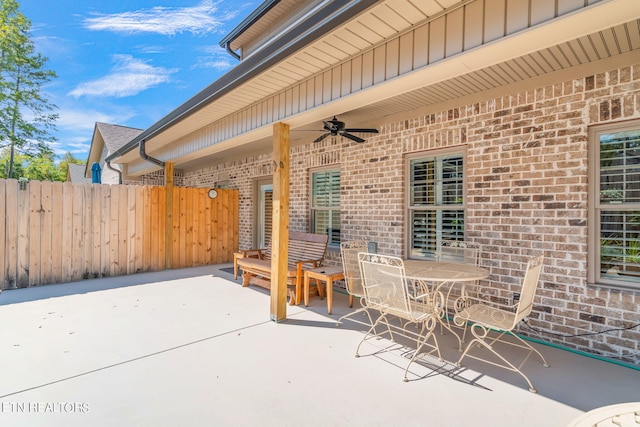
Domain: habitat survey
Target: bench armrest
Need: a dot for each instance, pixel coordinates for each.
(253, 253)
(314, 262)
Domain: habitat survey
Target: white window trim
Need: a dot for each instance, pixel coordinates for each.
(594, 208)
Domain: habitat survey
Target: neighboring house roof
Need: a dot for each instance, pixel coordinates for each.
(75, 173)
(110, 137)
(115, 136)
(365, 60)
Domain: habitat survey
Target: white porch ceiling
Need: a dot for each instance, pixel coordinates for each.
(610, 29)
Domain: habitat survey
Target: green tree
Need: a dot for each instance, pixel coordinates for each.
(43, 168)
(63, 166)
(26, 116)
(18, 164)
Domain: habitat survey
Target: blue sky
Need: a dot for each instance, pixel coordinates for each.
(128, 62)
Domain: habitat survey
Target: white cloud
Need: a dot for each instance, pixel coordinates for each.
(77, 147)
(216, 58)
(82, 120)
(77, 128)
(129, 77)
(200, 19)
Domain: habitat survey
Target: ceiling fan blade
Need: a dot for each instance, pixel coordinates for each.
(363, 130)
(321, 137)
(351, 137)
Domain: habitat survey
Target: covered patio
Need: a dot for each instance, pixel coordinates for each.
(493, 122)
(192, 347)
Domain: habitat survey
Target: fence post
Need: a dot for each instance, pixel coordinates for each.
(168, 226)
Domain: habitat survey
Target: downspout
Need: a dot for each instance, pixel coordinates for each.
(116, 171)
(144, 156)
(231, 52)
(255, 16)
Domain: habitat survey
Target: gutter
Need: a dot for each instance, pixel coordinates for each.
(254, 17)
(326, 19)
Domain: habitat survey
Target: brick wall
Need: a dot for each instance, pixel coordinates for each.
(526, 171)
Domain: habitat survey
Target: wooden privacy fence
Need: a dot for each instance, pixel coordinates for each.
(54, 232)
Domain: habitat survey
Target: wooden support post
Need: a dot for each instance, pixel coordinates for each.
(168, 224)
(280, 227)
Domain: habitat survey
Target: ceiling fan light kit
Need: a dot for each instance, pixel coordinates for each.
(335, 127)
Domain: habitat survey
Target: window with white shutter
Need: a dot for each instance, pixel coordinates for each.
(614, 214)
(325, 204)
(436, 201)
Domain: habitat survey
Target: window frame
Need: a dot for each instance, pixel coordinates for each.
(313, 209)
(595, 207)
(409, 209)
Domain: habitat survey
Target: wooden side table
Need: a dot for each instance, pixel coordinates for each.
(327, 274)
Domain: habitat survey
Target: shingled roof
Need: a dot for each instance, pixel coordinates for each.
(116, 136)
(75, 173)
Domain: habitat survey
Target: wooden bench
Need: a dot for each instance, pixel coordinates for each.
(306, 250)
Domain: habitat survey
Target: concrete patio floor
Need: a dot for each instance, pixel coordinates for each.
(192, 347)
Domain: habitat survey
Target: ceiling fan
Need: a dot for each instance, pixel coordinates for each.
(335, 127)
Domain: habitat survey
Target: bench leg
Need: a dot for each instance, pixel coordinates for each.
(298, 290)
(329, 295)
(306, 290)
(246, 277)
(292, 296)
(320, 288)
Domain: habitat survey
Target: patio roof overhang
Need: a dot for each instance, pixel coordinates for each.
(335, 37)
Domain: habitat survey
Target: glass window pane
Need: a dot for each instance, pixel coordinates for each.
(620, 167)
(424, 225)
(325, 204)
(620, 245)
(422, 182)
(436, 181)
(431, 227)
(326, 189)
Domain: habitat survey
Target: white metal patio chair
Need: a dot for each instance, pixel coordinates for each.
(387, 290)
(486, 316)
(456, 251)
(352, 277)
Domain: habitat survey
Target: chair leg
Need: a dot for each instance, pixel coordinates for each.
(480, 339)
(446, 326)
(371, 332)
(421, 343)
(360, 310)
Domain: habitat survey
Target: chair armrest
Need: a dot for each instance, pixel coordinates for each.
(252, 253)
(315, 262)
(485, 294)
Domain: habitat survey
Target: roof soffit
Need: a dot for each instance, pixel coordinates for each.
(300, 66)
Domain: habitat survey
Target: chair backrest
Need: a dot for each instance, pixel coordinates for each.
(458, 251)
(529, 287)
(384, 283)
(351, 267)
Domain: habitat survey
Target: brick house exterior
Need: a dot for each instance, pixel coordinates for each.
(525, 146)
(526, 194)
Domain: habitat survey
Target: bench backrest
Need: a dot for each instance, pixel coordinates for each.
(304, 246)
